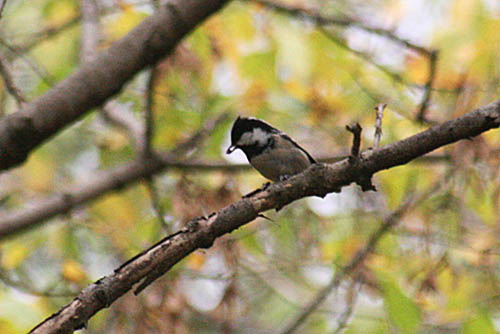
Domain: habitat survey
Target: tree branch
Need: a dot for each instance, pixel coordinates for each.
(379, 114)
(464, 127)
(12, 88)
(342, 22)
(103, 77)
(421, 115)
(389, 222)
(201, 232)
(2, 6)
(104, 182)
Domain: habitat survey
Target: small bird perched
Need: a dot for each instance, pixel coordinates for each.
(269, 150)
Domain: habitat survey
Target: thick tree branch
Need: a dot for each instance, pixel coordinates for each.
(318, 180)
(100, 79)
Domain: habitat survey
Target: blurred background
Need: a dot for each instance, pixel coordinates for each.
(308, 67)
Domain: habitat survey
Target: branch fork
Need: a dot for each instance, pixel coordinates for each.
(364, 178)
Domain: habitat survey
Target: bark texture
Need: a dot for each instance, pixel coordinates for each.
(201, 232)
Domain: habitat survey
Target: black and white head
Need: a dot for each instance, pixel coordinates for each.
(275, 155)
(250, 134)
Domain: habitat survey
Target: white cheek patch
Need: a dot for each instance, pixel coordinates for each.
(256, 137)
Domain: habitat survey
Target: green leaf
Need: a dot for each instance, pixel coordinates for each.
(260, 65)
(402, 311)
(479, 324)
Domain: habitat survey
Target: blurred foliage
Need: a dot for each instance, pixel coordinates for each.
(436, 272)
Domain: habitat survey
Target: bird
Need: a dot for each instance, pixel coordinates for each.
(270, 151)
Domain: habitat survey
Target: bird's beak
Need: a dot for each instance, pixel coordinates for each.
(230, 149)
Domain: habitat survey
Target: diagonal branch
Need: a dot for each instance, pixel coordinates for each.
(105, 181)
(45, 34)
(6, 75)
(467, 126)
(201, 232)
(388, 223)
(101, 78)
(342, 22)
(2, 6)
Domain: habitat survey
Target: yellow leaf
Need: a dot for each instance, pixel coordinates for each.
(73, 272)
(60, 12)
(418, 69)
(297, 89)
(126, 21)
(117, 209)
(329, 251)
(13, 256)
(113, 140)
(39, 173)
(195, 261)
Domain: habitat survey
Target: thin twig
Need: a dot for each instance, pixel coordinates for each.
(45, 34)
(38, 69)
(421, 116)
(121, 117)
(90, 32)
(112, 111)
(156, 205)
(2, 6)
(351, 296)
(105, 182)
(367, 58)
(343, 22)
(149, 118)
(9, 83)
(26, 288)
(378, 124)
(388, 224)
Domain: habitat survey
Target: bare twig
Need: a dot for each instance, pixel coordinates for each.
(366, 57)
(26, 288)
(2, 6)
(352, 294)
(147, 149)
(357, 260)
(149, 119)
(378, 123)
(112, 112)
(9, 83)
(157, 207)
(343, 22)
(90, 33)
(355, 129)
(45, 34)
(421, 116)
(121, 117)
(47, 78)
